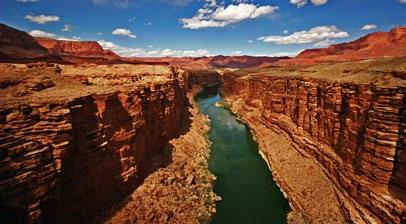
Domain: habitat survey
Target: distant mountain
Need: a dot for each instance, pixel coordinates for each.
(217, 61)
(75, 48)
(374, 45)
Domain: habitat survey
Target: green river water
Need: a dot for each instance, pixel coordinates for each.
(244, 182)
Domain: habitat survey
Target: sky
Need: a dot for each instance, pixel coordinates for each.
(157, 28)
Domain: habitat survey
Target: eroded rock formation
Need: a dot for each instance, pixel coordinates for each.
(66, 160)
(355, 132)
(75, 48)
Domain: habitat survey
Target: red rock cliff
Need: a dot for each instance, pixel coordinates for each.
(355, 132)
(375, 45)
(75, 48)
(65, 162)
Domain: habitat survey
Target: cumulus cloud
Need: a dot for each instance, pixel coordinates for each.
(369, 26)
(214, 15)
(42, 19)
(319, 35)
(40, 33)
(140, 52)
(402, 1)
(250, 41)
(301, 3)
(124, 32)
(298, 3)
(27, 1)
(319, 2)
(67, 28)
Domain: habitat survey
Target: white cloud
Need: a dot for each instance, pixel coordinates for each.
(279, 54)
(301, 3)
(236, 52)
(118, 3)
(68, 28)
(40, 33)
(27, 1)
(250, 41)
(298, 3)
(402, 1)
(213, 15)
(42, 19)
(319, 2)
(140, 52)
(318, 35)
(123, 32)
(286, 31)
(370, 26)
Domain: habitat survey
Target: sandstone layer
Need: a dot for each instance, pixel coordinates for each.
(76, 140)
(75, 48)
(353, 131)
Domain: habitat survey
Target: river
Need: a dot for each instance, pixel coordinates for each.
(244, 182)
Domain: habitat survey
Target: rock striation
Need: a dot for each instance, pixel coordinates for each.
(354, 131)
(64, 161)
(75, 48)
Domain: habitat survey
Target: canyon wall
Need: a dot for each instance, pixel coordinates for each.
(65, 162)
(203, 77)
(355, 132)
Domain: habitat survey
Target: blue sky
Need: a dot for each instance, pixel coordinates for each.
(204, 27)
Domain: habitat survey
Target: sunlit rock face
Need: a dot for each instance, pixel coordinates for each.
(354, 131)
(74, 48)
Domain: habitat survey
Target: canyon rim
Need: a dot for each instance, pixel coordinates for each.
(194, 112)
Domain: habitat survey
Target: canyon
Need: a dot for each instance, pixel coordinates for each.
(89, 136)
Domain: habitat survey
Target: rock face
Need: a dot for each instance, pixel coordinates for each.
(203, 77)
(75, 48)
(66, 161)
(18, 44)
(355, 132)
(375, 45)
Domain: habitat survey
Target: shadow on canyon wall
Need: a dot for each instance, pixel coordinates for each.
(397, 186)
(108, 160)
